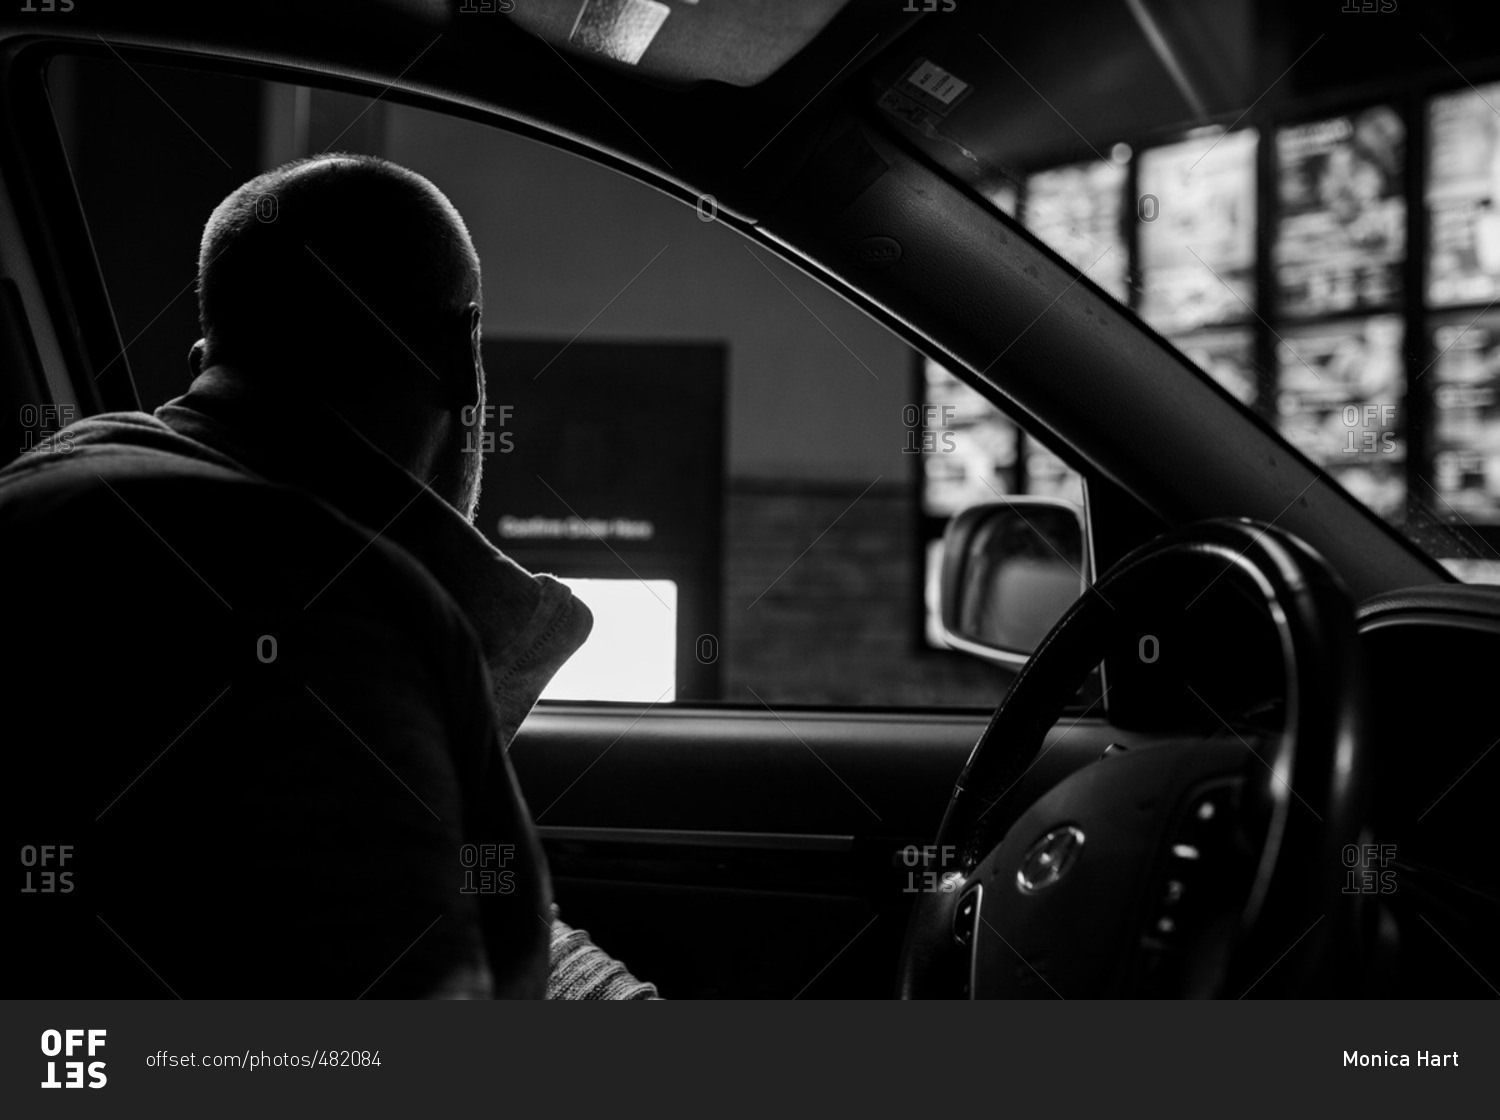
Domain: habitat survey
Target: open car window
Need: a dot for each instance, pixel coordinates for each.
(743, 476)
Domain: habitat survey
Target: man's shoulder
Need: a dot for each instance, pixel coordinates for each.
(126, 491)
(113, 447)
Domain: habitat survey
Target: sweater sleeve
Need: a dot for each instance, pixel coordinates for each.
(579, 969)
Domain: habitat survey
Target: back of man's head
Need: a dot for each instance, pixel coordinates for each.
(338, 274)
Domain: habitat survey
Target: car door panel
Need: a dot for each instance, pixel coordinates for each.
(728, 852)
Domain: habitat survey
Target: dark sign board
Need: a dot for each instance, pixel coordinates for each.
(613, 469)
(1341, 234)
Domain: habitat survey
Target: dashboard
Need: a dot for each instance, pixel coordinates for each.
(1434, 661)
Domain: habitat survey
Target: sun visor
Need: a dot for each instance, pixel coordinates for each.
(739, 42)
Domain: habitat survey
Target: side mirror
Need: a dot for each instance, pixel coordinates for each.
(1009, 571)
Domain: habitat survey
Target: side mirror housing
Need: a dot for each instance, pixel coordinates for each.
(1009, 571)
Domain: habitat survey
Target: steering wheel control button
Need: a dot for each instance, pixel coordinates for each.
(1049, 859)
(966, 916)
(1193, 893)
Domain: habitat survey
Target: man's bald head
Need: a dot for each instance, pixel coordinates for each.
(335, 259)
(353, 282)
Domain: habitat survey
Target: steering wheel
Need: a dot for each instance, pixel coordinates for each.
(1181, 867)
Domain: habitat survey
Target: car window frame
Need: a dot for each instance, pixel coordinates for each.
(1115, 520)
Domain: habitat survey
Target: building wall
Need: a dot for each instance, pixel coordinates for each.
(842, 623)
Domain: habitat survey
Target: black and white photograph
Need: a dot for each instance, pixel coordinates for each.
(913, 542)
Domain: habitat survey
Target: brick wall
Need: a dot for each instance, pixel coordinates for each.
(843, 624)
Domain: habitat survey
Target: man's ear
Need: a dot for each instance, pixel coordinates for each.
(195, 356)
(469, 389)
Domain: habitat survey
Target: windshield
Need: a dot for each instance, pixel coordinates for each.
(1306, 204)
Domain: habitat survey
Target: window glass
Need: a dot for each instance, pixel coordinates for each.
(1317, 227)
(1268, 315)
(715, 451)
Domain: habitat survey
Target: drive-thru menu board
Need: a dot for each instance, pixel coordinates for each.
(1227, 354)
(1463, 197)
(1078, 210)
(1466, 415)
(1340, 387)
(970, 452)
(1341, 231)
(1196, 238)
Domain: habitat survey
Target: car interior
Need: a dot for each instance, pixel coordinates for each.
(1153, 702)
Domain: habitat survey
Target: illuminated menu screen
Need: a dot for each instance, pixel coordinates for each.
(1004, 195)
(1227, 354)
(1341, 235)
(1077, 211)
(1047, 476)
(1466, 416)
(1338, 400)
(1197, 253)
(1463, 197)
(969, 451)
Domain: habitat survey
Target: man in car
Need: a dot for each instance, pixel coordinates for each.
(270, 668)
